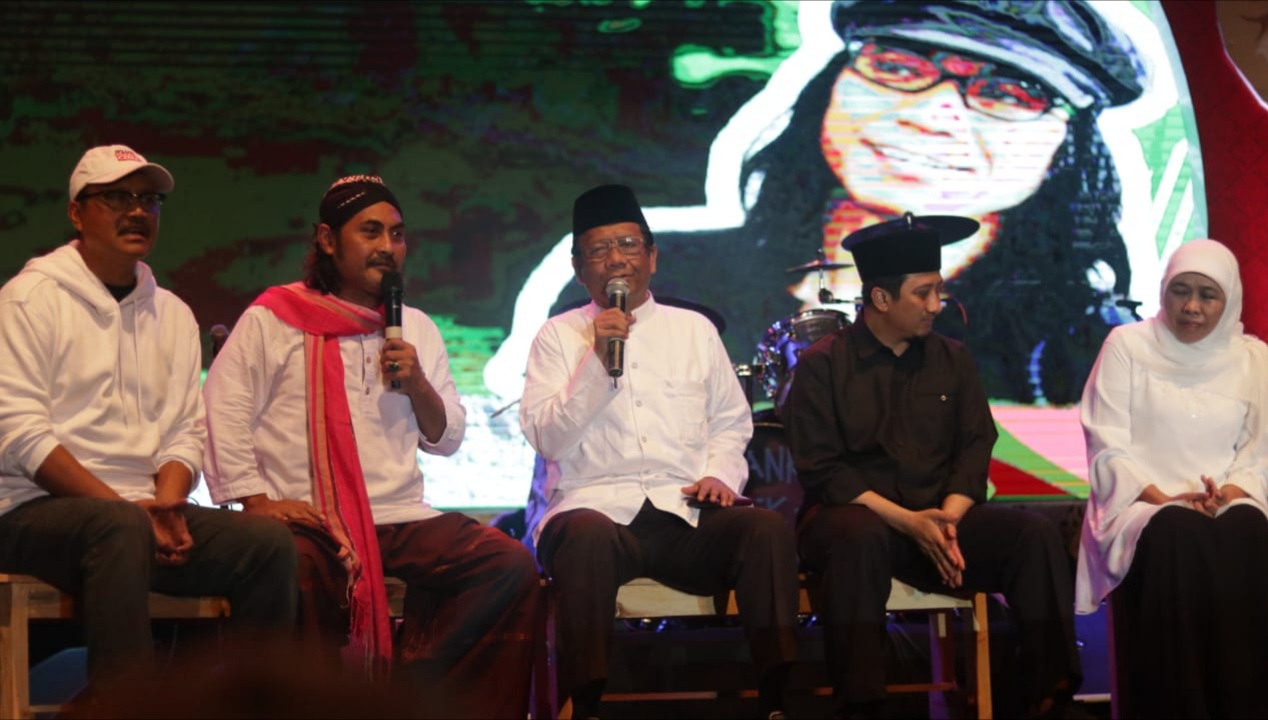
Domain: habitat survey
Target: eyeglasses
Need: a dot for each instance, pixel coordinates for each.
(122, 200)
(628, 246)
(1001, 96)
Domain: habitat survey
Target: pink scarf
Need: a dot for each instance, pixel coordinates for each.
(338, 484)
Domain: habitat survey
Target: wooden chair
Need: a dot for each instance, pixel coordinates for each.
(644, 598)
(24, 598)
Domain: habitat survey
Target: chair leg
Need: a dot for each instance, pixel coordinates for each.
(982, 657)
(941, 662)
(15, 681)
(1118, 681)
(546, 664)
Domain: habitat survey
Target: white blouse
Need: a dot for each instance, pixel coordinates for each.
(1145, 427)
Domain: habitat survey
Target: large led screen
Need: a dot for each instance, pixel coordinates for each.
(756, 134)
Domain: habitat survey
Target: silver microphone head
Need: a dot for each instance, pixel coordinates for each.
(617, 285)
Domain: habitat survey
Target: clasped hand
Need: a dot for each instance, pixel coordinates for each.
(935, 533)
(172, 541)
(1212, 498)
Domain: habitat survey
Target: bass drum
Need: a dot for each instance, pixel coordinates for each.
(781, 345)
(772, 476)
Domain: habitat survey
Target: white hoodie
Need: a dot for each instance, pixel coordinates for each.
(115, 383)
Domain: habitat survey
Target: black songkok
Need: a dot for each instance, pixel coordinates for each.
(906, 246)
(352, 194)
(605, 205)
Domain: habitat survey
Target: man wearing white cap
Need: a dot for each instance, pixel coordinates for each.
(102, 433)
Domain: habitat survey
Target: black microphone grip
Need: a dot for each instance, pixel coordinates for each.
(393, 299)
(219, 334)
(616, 346)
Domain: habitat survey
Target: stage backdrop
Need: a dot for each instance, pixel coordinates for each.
(755, 133)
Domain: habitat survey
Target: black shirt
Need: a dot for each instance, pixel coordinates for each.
(911, 428)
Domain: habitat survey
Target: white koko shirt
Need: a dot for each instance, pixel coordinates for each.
(257, 415)
(677, 415)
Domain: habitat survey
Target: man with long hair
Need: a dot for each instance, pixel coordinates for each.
(316, 416)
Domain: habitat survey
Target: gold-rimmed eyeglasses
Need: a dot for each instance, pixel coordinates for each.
(628, 246)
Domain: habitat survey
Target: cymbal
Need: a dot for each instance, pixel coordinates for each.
(818, 265)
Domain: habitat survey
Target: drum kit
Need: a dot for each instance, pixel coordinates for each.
(771, 370)
(772, 479)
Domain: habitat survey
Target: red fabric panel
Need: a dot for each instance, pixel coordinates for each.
(1233, 130)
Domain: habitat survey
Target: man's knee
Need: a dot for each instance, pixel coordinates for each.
(315, 566)
(512, 562)
(852, 528)
(270, 542)
(582, 525)
(767, 527)
(577, 539)
(122, 524)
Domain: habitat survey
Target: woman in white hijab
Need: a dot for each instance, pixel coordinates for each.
(1176, 524)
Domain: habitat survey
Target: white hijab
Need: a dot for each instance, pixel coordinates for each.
(1226, 347)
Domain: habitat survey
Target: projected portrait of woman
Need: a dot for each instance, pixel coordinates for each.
(985, 110)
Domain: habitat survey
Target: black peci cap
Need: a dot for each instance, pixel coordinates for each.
(905, 246)
(605, 205)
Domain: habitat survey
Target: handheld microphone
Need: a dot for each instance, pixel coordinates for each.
(219, 334)
(617, 291)
(393, 292)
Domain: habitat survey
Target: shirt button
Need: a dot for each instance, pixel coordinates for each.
(368, 361)
(367, 391)
(634, 365)
(644, 438)
(943, 398)
(638, 403)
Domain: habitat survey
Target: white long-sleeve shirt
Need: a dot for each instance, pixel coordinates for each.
(1144, 427)
(677, 415)
(115, 383)
(257, 415)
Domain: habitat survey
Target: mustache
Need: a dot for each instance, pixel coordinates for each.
(135, 226)
(382, 260)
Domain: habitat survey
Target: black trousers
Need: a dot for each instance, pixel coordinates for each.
(102, 551)
(1190, 631)
(588, 557)
(1014, 552)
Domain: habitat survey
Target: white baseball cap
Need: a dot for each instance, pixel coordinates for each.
(107, 163)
